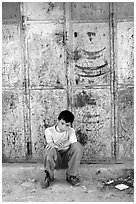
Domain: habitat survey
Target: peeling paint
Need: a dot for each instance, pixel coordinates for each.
(91, 59)
(93, 115)
(67, 65)
(125, 32)
(44, 10)
(46, 55)
(126, 123)
(13, 128)
(11, 54)
(90, 10)
(83, 98)
(11, 10)
(125, 10)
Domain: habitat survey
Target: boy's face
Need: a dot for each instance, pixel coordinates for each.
(63, 126)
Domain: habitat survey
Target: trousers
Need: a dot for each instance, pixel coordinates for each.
(69, 159)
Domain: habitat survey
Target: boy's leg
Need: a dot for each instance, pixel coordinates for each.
(52, 161)
(73, 158)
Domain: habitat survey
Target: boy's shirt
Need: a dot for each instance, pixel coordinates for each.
(54, 136)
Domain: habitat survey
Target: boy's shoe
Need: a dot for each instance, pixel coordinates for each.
(47, 180)
(73, 180)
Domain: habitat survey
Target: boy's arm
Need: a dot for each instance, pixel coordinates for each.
(51, 145)
(63, 144)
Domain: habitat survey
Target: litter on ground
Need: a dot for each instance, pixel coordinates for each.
(121, 186)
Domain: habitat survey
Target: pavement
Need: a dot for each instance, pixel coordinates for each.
(21, 182)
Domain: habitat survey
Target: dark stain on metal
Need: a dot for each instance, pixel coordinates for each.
(78, 54)
(75, 34)
(58, 81)
(90, 34)
(83, 99)
(126, 121)
(94, 72)
(92, 68)
(82, 136)
(92, 53)
(60, 38)
(51, 7)
(126, 98)
(77, 79)
(29, 148)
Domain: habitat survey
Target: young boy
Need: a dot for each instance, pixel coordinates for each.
(62, 150)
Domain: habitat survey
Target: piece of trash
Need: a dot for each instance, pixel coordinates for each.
(27, 184)
(27, 197)
(121, 186)
(109, 182)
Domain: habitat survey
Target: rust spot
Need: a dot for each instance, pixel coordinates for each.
(60, 38)
(75, 34)
(90, 34)
(93, 68)
(126, 98)
(86, 54)
(83, 99)
(77, 56)
(51, 7)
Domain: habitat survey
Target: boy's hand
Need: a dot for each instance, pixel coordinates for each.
(60, 143)
(50, 146)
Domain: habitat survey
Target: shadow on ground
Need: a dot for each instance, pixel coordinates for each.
(21, 183)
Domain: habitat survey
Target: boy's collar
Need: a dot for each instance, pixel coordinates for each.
(57, 129)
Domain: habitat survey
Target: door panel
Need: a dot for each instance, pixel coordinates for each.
(44, 10)
(68, 55)
(45, 107)
(91, 48)
(46, 55)
(93, 117)
(11, 55)
(125, 52)
(126, 122)
(13, 125)
(90, 10)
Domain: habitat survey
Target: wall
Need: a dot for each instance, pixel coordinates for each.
(77, 56)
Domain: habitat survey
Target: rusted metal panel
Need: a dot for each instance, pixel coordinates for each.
(126, 122)
(69, 61)
(125, 52)
(124, 10)
(13, 124)
(91, 48)
(11, 11)
(90, 10)
(44, 10)
(11, 55)
(45, 108)
(93, 118)
(46, 55)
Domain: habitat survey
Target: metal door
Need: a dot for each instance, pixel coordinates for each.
(68, 55)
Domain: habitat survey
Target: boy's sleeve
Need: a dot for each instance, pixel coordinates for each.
(72, 136)
(48, 136)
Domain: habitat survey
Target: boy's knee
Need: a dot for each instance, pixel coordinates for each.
(51, 153)
(76, 146)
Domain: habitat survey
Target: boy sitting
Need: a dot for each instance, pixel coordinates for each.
(62, 150)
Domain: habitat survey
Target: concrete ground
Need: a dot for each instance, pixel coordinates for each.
(21, 183)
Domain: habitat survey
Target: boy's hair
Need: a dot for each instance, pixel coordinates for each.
(67, 116)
